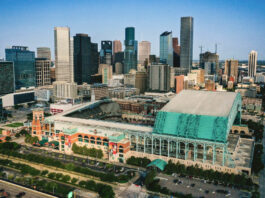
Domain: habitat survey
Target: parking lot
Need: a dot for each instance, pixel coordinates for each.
(196, 187)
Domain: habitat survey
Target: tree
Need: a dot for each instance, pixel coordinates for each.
(74, 180)
(17, 135)
(66, 178)
(44, 172)
(8, 138)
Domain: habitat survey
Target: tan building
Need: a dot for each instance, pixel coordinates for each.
(231, 69)
(106, 71)
(44, 52)
(117, 46)
(200, 75)
(62, 54)
(210, 85)
(144, 49)
(63, 90)
(141, 81)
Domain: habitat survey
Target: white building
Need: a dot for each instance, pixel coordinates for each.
(159, 77)
(252, 63)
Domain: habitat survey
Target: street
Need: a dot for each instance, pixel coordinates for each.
(14, 189)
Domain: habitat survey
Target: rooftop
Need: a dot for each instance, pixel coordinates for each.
(201, 103)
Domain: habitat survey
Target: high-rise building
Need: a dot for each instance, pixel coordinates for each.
(130, 52)
(24, 66)
(210, 63)
(106, 71)
(186, 43)
(176, 52)
(166, 48)
(106, 52)
(62, 54)
(7, 79)
(42, 67)
(144, 49)
(141, 81)
(231, 69)
(117, 46)
(85, 59)
(64, 90)
(252, 63)
(159, 77)
(72, 59)
(44, 52)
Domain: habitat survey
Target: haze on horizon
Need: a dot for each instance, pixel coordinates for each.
(236, 26)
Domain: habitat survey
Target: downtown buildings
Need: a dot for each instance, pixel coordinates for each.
(7, 80)
(186, 43)
(252, 63)
(144, 50)
(166, 48)
(85, 59)
(24, 66)
(63, 70)
(130, 52)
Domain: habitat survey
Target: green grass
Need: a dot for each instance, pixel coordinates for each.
(16, 124)
(1, 131)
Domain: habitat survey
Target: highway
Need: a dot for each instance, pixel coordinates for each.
(14, 189)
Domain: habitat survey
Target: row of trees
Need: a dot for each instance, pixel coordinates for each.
(83, 150)
(108, 177)
(257, 164)
(138, 161)
(105, 191)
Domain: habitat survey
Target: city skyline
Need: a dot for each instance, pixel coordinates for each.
(224, 23)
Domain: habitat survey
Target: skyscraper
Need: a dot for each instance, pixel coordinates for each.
(44, 52)
(85, 58)
(117, 47)
(62, 54)
(72, 59)
(42, 66)
(186, 43)
(252, 63)
(7, 83)
(176, 52)
(166, 48)
(144, 49)
(130, 52)
(231, 69)
(24, 66)
(106, 52)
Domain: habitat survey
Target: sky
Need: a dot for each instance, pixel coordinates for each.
(237, 26)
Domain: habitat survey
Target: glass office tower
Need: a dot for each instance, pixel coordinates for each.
(130, 52)
(7, 82)
(166, 48)
(106, 52)
(85, 58)
(24, 66)
(186, 43)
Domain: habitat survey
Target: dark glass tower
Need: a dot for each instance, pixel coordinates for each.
(186, 43)
(130, 52)
(85, 58)
(106, 52)
(7, 81)
(24, 66)
(166, 48)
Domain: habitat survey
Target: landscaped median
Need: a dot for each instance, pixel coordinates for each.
(26, 168)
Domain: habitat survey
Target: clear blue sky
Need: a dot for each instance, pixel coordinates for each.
(238, 26)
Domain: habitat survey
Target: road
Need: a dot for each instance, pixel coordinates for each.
(14, 189)
(262, 173)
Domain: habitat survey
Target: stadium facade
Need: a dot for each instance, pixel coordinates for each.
(193, 128)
